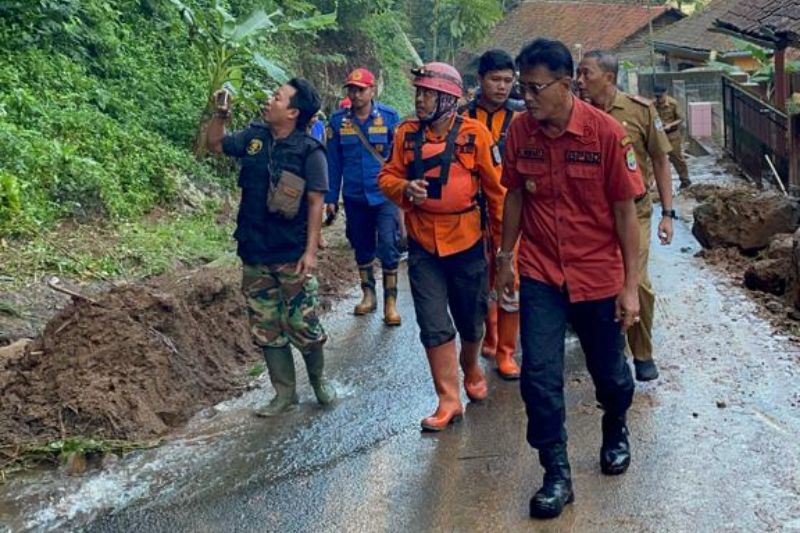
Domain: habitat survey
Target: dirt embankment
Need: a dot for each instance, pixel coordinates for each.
(139, 360)
(754, 237)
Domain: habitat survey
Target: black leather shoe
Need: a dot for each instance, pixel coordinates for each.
(615, 454)
(556, 490)
(645, 370)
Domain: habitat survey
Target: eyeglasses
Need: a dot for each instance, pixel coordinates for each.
(537, 88)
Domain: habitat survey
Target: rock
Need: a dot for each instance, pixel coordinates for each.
(109, 460)
(76, 464)
(15, 349)
(745, 219)
(774, 307)
(793, 276)
(722, 404)
(702, 191)
(767, 275)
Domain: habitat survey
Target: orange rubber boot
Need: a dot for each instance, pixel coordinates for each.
(474, 380)
(444, 369)
(507, 331)
(489, 347)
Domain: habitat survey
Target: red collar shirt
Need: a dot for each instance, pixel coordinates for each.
(569, 186)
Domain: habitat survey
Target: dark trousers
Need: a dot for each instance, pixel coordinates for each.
(373, 230)
(456, 282)
(545, 311)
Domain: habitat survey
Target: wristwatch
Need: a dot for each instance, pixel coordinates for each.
(503, 256)
(669, 213)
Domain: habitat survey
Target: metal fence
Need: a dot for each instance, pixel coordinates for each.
(754, 129)
(688, 87)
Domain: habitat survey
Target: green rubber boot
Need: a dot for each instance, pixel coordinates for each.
(281, 373)
(315, 364)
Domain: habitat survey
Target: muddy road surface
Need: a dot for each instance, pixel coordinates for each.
(715, 441)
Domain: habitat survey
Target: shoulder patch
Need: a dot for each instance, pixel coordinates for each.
(640, 100)
(328, 132)
(254, 147)
(630, 159)
(658, 124)
(626, 141)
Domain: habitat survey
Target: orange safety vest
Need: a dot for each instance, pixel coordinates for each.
(452, 188)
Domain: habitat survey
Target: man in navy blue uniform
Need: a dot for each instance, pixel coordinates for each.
(359, 139)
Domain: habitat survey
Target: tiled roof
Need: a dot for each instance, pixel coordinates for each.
(767, 21)
(693, 33)
(591, 24)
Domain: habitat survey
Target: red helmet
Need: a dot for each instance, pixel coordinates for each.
(439, 77)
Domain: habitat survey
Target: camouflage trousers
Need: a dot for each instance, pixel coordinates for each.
(281, 306)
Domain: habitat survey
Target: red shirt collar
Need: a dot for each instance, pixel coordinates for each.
(577, 119)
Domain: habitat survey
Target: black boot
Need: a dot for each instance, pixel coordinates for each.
(615, 454)
(556, 490)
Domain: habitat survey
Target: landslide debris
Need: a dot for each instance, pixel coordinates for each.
(139, 362)
(743, 218)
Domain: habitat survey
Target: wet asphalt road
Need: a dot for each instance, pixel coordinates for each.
(716, 441)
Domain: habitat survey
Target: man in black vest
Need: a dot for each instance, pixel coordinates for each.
(284, 178)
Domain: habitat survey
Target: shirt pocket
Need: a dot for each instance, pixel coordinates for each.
(586, 182)
(348, 139)
(535, 177)
(378, 138)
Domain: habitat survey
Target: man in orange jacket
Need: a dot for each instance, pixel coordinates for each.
(494, 109)
(440, 165)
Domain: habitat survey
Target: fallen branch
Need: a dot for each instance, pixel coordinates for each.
(55, 284)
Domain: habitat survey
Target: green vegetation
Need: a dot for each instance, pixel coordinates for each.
(102, 103)
(130, 249)
(256, 370)
(64, 451)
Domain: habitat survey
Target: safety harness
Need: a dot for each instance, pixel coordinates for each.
(472, 110)
(420, 166)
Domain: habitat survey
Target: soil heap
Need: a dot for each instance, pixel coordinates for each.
(140, 361)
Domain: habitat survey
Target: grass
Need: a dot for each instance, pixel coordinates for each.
(132, 250)
(10, 309)
(256, 370)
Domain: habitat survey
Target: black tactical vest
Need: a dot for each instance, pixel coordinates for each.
(264, 237)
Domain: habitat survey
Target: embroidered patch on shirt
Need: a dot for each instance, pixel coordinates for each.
(626, 141)
(589, 158)
(658, 124)
(530, 153)
(254, 147)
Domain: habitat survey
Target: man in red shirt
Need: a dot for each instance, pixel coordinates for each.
(572, 177)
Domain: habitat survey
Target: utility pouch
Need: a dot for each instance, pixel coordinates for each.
(285, 196)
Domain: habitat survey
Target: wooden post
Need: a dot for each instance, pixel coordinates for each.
(793, 134)
(780, 78)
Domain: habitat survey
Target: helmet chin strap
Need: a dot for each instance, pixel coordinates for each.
(445, 105)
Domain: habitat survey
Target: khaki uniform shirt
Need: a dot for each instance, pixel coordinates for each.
(670, 111)
(645, 131)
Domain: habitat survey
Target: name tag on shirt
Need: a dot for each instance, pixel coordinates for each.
(590, 158)
(375, 130)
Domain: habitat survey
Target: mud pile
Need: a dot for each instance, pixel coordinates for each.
(745, 219)
(133, 365)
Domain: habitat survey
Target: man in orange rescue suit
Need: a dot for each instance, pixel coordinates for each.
(493, 108)
(440, 162)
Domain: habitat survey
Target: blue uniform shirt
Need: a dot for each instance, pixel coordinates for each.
(348, 158)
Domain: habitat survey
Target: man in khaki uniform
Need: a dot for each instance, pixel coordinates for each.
(670, 113)
(597, 79)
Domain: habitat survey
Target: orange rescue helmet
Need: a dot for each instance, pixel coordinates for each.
(439, 77)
